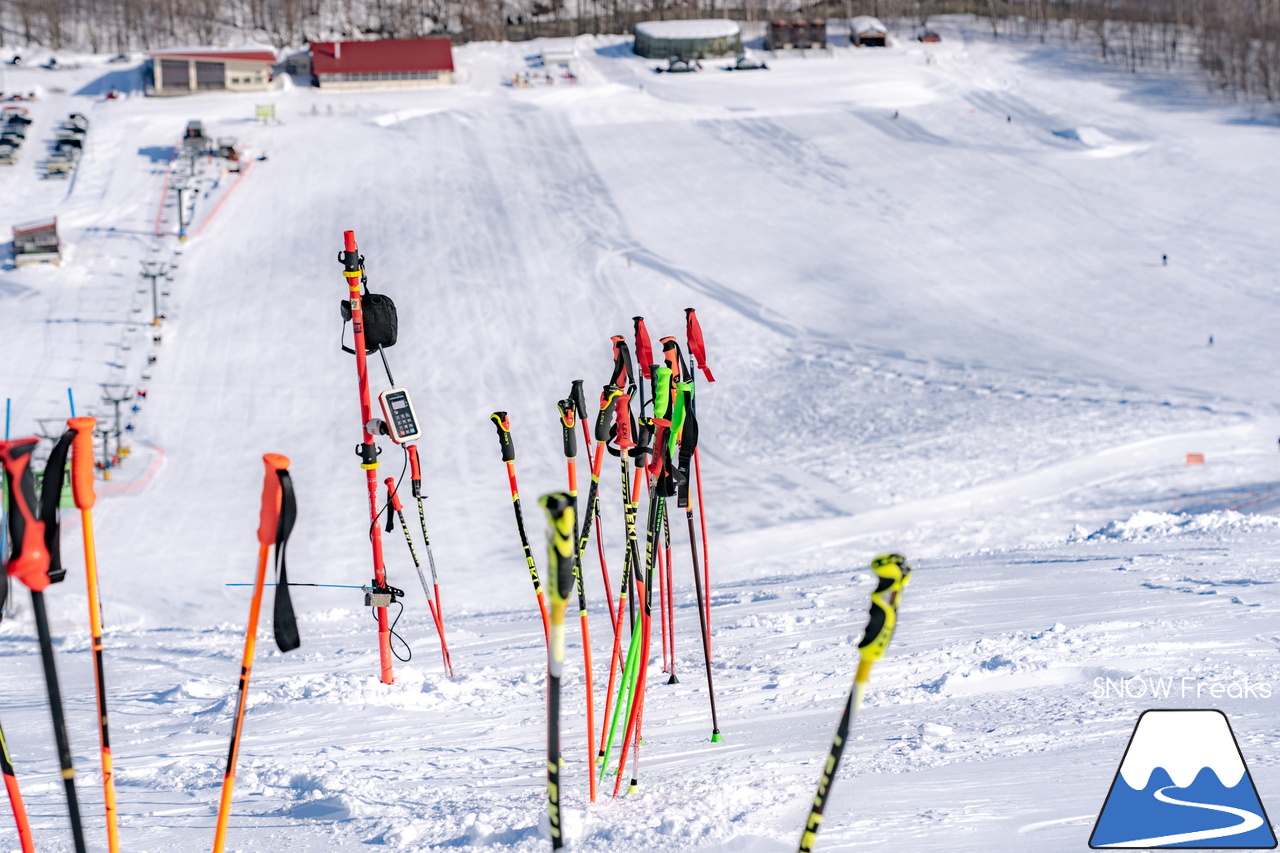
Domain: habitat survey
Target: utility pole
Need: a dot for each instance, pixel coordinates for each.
(154, 270)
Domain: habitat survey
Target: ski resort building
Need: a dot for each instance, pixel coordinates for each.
(866, 31)
(37, 242)
(388, 62)
(185, 71)
(802, 34)
(688, 39)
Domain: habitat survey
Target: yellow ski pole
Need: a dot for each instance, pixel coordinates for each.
(892, 573)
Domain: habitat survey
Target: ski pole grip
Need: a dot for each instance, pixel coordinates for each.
(661, 393)
(608, 403)
(559, 507)
(623, 409)
(269, 515)
(82, 461)
(415, 472)
(503, 423)
(30, 561)
(390, 483)
(567, 424)
(579, 399)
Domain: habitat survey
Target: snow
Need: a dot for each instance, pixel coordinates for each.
(694, 29)
(949, 334)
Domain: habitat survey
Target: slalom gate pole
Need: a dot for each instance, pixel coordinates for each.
(437, 608)
(82, 490)
(503, 423)
(892, 574)
(30, 564)
(275, 521)
(698, 357)
(570, 438)
(15, 795)
(353, 270)
(560, 546)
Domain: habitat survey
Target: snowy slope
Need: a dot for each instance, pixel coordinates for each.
(948, 332)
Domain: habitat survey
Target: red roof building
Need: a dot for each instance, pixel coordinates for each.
(387, 62)
(184, 71)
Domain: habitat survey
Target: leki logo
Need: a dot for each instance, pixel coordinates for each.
(1183, 783)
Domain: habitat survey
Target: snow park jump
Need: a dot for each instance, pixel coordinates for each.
(990, 307)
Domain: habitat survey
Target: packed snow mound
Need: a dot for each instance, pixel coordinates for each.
(1145, 526)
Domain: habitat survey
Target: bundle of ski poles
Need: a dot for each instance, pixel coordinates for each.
(646, 418)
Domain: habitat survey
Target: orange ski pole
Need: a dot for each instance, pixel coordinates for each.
(15, 797)
(503, 423)
(83, 490)
(268, 518)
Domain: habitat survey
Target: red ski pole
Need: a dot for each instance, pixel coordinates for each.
(353, 269)
(437, 609)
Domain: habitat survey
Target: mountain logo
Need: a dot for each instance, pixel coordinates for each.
(1183, 783)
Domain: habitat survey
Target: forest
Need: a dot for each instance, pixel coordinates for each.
(1234, 43)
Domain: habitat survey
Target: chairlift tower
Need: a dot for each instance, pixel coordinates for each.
(154, 270)
(116, 402)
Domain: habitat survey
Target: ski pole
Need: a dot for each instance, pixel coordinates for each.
(644, 593)
(15, 795)
(503, 423)
(30, 565)
(6, 605)
(437, 609)
(892, 574)
(593, 505)
(560, 542)
(276, 510)
(397, 507)
(570, 438)
(82, 490)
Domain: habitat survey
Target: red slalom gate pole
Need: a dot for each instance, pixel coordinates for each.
(353, 269)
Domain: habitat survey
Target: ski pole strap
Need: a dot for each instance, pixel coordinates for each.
(623, 373)
(697, 347)
(82, 488)
(503, 423)
(644, 350)
(415, 472)
(567, 424)
(608, 407)
(55, 471)
(284, 622)
(893, 573)
(561, 515)
(28, 558)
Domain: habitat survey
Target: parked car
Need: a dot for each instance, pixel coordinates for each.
(680, 65)
(76, 120)
(8, 154)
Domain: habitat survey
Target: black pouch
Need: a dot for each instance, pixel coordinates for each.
(380, 323)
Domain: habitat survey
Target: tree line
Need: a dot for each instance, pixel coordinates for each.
(1236, 43)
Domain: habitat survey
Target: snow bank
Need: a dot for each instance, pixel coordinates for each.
(1145, 526)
